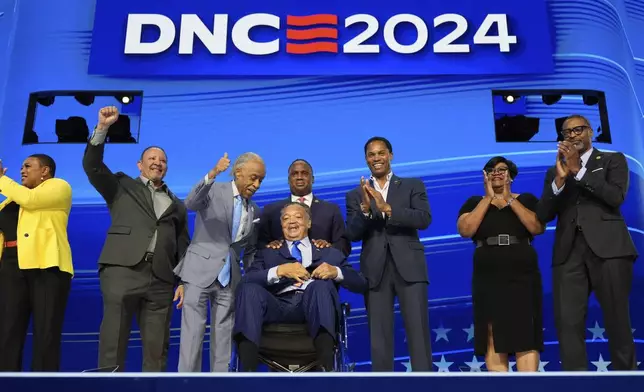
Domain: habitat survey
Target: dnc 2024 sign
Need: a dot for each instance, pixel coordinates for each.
(320, 37)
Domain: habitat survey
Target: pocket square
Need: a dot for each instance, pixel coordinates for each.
(256, 220)
(598, 169)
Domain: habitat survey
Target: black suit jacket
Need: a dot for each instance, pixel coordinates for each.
(593, 203)
(410, 212)
(134, 220)
(268, 258)
(327, 224)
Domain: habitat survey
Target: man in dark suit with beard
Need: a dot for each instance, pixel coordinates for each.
(593, 249)
(147, 237)
(328, 223)
(385, 213)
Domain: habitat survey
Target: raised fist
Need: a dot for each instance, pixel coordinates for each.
(107, 116)
(221, 166)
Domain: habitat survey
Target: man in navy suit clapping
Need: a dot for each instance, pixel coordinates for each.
(296, 283)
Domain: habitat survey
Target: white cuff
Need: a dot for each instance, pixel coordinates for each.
(272, 276)
(340, 276)
(554, 188)
(207, 180)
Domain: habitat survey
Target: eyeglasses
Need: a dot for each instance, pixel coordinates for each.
(499, 170)
(576, 130)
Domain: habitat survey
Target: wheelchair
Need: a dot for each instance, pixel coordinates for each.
(289, 348)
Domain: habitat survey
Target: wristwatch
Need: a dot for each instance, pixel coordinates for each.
(511, 200)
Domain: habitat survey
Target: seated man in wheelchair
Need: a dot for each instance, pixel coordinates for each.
(295, 284)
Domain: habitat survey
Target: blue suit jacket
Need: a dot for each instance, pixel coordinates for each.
(327, 224)
(268, 258)
(410, 213)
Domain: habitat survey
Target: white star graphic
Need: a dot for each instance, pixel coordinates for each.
(638, 364)
(407, 366)
(600, 364)
(443, 365)
(633, 330)
(475, 365)
(598, 333)
(511, 365)
(470, 332)
(441, 333)
(542, 365)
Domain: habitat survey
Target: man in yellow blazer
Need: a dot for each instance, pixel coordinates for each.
(36, 263)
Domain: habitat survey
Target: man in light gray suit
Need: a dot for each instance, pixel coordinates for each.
(210, 270)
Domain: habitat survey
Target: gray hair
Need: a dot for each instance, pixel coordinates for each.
(244, 159)
(307, 209)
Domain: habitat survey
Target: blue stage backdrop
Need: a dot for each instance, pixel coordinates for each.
(436, 108)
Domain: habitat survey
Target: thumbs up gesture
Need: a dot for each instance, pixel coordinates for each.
(221, 166)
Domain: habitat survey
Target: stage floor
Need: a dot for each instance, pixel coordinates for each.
(324, 382)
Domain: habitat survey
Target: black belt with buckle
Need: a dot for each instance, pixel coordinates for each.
(502, 240)
(149, 256)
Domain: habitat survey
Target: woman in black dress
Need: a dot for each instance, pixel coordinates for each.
(506, 282)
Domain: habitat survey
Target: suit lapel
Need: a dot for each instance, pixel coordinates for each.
(315, 203)
(394, 184)
(594, 161)
(227, 197)
(316, 254)
(141, 194)
(285, 251)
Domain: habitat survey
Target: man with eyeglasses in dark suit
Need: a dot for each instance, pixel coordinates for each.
(593, 249)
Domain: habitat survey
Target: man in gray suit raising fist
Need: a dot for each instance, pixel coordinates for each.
(147, 237)
(224, 234)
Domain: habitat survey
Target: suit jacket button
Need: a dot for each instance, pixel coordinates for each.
(26, 234)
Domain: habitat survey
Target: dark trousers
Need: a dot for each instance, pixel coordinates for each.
(134, 293)
(573, 282)
(41, 293)
(412, 298)
(316, 306)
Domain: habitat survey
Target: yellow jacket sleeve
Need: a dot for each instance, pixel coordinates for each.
(51, 194)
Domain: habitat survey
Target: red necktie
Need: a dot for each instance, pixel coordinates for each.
(301, 199)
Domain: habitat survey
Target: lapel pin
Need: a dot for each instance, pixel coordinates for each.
(316, 201)
(599, 157)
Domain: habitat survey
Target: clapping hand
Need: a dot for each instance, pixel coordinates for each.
(571, 156)
(377, 197)
(221, 166)
(507, 187)
(366, 199)
(487, 183)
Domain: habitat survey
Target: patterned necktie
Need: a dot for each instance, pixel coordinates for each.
(224, 274)
(302, 200)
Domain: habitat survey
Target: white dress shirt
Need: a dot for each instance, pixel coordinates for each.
(306, 249)
(580, 174)
(244, 215)
(308, 199)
